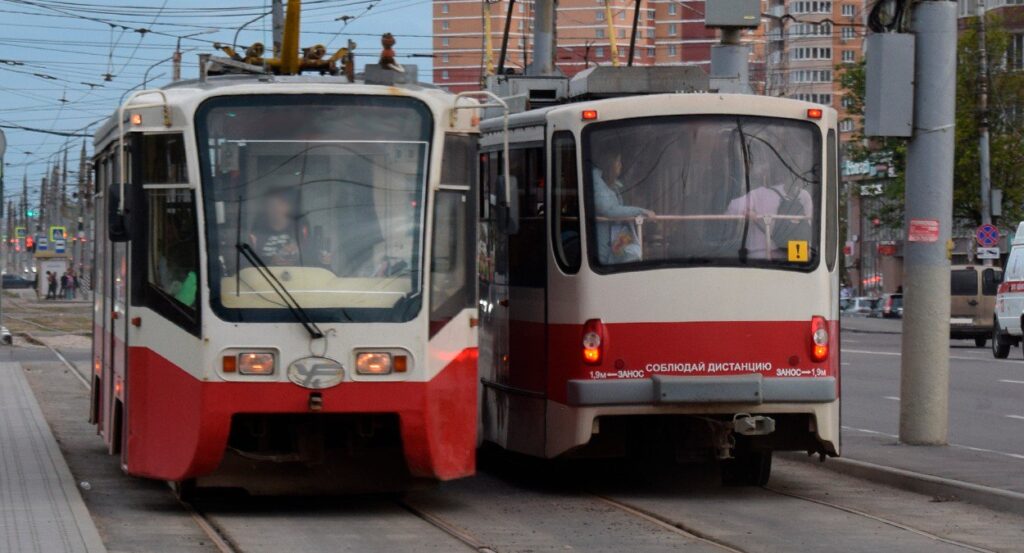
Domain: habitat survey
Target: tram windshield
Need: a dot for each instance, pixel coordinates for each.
(700, 190)
(327, 190)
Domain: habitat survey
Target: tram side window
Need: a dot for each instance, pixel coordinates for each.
(163, 159)
(173, 264)
(565, 217)
(451, 263)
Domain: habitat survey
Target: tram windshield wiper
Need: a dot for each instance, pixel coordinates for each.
(744, 252)
(300, 313)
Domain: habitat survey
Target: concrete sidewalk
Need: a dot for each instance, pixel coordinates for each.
(949, 473)
(40, 507)
(869, 325)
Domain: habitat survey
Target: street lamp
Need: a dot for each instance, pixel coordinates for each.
(176, 76)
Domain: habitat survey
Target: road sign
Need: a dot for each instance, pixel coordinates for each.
(42, 244)
(988, 253)
(987, 235)
(59, 246)
(923, 230)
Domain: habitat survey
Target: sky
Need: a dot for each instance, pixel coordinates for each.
(56, 55)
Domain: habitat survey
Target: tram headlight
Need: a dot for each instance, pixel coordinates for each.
(373, 363)
(256, 363)
(819, 339)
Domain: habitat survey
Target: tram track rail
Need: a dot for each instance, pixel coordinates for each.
(881, 520)
(222, 541)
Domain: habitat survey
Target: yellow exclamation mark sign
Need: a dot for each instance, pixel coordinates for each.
(798, 251)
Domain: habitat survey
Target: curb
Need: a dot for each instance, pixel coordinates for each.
(985, 496)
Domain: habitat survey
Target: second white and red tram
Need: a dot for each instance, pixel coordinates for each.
(285, 282)
(663, 274)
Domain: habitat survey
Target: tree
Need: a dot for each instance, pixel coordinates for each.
(1006, 104)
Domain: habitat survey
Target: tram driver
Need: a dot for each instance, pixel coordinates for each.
(278, 237)
(778, 207)
(617, 237)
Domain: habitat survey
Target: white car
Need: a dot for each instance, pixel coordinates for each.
(1006, 330)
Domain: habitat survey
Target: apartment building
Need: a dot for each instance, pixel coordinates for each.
(1011, 18)
(669, 32)
(808, 42)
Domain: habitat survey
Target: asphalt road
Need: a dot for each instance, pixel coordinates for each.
(986, 404)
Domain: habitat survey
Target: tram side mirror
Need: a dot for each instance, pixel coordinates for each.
(508, 211)
(117, 223)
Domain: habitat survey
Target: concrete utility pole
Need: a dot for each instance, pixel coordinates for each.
(543, 38)
(983, 151)
(924, 381)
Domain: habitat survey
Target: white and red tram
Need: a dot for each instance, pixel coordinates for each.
(285, 283)
(662, 273)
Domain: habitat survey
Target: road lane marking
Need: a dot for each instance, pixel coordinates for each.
(952, 357)
(894, 398)
(1018, 417)
(1013, 381)
(958, 446)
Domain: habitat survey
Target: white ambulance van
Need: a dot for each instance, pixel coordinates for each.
(1006, 328)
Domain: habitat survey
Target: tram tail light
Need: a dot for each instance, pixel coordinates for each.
(374, 363)
(819, 339)
(254, 363)
(814, 113)
(589, 115)
(593, 342)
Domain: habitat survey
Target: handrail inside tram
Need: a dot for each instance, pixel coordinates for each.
(122, 166)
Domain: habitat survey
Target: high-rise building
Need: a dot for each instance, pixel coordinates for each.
(808, 43)
(669, 32)
(795, 53)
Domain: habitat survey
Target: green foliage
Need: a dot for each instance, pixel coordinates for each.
(1006, 108)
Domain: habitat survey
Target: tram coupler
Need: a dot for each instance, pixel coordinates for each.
(753, 425)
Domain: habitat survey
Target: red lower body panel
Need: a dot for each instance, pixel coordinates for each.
(178, 426)
(774, 349)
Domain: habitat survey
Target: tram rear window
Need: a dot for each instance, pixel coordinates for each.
(703, 190)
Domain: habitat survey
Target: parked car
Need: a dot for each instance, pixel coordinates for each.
(972, 302)
(860, 306)
(1006, 321)
(891, 306)
(11, 282)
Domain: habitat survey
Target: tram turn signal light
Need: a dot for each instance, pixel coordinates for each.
(136, 119)
(593, 342)
(819, 339)
(256, 363)
(229, 364)
(374, 363)
(589, 115)
(814, 113)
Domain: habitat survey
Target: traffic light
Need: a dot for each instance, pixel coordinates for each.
(30, 244)
(30, 213)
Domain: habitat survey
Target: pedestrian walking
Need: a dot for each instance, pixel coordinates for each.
(63, 285)
(51, 285)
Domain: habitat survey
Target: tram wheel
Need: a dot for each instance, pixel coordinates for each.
(747, 468)
(184, 490)
(980, 341)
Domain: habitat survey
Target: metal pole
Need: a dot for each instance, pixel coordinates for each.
(543, 38)
(176, 74)
(277, 24)
(730, 71)
(632, 36)
(613, 44)
(983, 122)
(924, 380)
(504, 38)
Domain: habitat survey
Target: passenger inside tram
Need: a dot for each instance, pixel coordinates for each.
(281, 239)
(617, 238)
(777, 206)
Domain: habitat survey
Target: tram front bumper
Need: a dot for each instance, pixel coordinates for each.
(746, 389)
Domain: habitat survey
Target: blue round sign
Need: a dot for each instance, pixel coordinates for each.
(987, 235)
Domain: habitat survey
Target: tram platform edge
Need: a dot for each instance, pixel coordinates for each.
(40, 505)
(897, 473)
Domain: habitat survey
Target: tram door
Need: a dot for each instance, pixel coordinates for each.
(513, 276)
